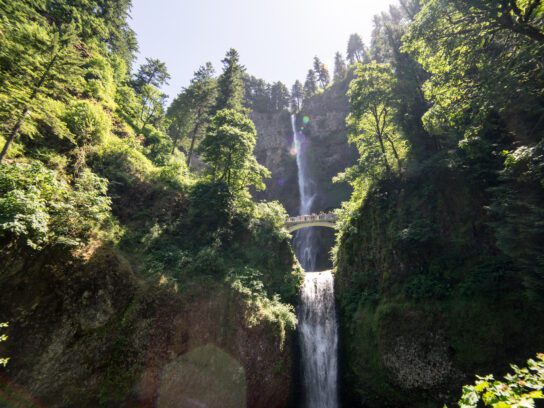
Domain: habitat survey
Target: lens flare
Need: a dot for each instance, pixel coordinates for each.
(306, 120)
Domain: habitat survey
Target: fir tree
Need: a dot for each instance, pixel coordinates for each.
(297, 96)
(231, 83)
(340, 70)
(310, 86)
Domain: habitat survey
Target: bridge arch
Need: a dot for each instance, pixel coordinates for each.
(306, 221)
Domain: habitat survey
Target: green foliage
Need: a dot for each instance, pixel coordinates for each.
(88, 122)
(481, 58)
(227, 149)
(519, 389)
(3, 360)
(40, 63)
(310, 85)
(340, 69)
(356, 51)
(100, 80)
(321, 72)
(40, 208)
(372, 126)
(190, 112)
(231, 83)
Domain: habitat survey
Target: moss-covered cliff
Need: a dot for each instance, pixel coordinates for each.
(426, 298)
(166, 316)
(92, 334)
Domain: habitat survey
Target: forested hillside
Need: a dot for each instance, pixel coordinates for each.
(439, 254)
(144, 254)
(121, 269)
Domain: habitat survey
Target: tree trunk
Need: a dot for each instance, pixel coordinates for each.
(191, 148)
(13, 133)
(26, 109)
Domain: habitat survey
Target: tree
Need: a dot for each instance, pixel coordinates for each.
(190, 111)
(231, 83)
(227, 149)
(483, 58)
(371, 120)
(322, 73)
(340, 70)
(387, 47)
(310, 86)
(356, 49)
(41, 63)
(257, 94)
(153, 72)
(151, 76)
(297, 96)
(279, 97)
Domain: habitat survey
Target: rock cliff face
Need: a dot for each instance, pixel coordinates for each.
(323, 122)
(426, 300)
(92, 334)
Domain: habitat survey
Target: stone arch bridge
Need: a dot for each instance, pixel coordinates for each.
(314, 220)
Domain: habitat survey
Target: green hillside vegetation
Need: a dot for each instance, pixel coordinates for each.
(439, 260)
(92, 160)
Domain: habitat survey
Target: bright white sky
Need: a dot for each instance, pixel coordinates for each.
(276, 39)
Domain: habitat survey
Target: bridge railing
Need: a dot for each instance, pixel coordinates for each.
(310, 218)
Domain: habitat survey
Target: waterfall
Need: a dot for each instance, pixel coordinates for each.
(318, 332)
(304, 241)
(318, 335)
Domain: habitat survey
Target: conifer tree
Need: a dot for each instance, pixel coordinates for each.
(297, 96)
(340, 70)
(321, 72)
(190, 111)
(42, 63)
(310, 86)
(231, 83)
(356, 49)
(151, 76)
(279, 97)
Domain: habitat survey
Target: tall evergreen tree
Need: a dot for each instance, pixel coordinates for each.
(151, 76)
(231, 83)
(310, 86)
(340, 70)
(279, 97)
(190, 111)
(41, 64)
(297, 96)
(153, 72)
(321, 72)
(356, 49)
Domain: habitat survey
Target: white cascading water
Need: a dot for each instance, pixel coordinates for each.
(318, 334)
(304, 238)
(318, 331)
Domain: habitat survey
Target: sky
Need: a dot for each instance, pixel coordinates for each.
(276, 39)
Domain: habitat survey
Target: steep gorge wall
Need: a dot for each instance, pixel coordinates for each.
(426, 299)
(323, 123)
(93, 334)
(326, 140)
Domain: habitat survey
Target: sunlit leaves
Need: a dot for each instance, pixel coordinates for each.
(40, 208)
(518, 390)
(228, 151)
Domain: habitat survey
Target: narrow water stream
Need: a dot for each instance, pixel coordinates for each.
(318, 331)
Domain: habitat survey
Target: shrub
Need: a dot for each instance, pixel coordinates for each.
(41, 208)
(3, 360)
(88, 122)
(519, 389)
